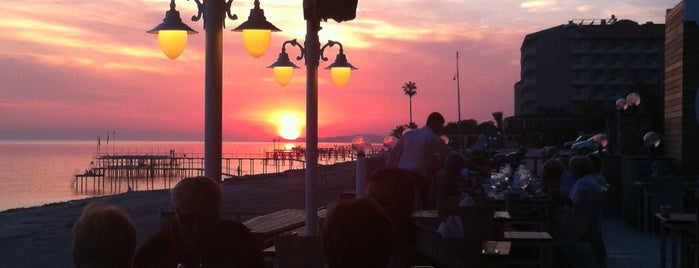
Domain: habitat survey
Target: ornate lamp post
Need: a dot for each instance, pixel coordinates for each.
(458, 104)
(172, 35)
(257, 28)
(632, 100)
(314, 12)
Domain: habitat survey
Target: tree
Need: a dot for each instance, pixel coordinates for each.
(497, 116)
(398, 131)
(410, 89)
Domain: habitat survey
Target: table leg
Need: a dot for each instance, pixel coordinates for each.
(646, 211)
(662, 245)
(673, 248)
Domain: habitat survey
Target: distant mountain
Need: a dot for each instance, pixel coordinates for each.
(374, 138)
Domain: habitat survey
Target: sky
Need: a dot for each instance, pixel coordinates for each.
(78, 69)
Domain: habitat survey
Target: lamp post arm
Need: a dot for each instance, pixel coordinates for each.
(293, 42)
(228, 10)
(330, 44)
(201, 7)
(200, 10)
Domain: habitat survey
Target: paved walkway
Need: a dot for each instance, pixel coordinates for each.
(628, 247)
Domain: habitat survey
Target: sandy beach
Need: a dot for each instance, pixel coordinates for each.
(41, 236)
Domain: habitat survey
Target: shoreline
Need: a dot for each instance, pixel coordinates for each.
(41, 236)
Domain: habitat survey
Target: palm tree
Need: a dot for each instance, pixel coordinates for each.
(497, 116)
(410, 89)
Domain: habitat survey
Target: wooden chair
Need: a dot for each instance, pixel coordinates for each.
(298, 252)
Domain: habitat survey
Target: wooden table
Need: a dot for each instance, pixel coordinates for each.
(676, 223)
(495, 253)
(434, 214)
(265, 227)
(541, 240)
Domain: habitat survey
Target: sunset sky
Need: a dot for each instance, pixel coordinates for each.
(74, 69)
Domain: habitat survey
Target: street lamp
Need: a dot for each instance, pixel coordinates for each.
(458, 103)
(632, 100)
(172, 35)
(313, 13)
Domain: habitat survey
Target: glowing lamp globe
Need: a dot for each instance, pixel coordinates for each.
(633, 99)
(389, 142)
(340, 70)
(651, 139)
(361, 145)
(172, 42)
(257, 41)
(257, 31)
(283, 75)
(621, 104)
(172, 33)
(283, 68)
(340, 75)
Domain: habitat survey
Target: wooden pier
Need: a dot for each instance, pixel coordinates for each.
(112, 174)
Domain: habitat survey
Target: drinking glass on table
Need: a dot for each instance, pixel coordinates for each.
(524, 182)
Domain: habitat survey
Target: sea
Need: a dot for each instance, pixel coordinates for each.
(35, 173)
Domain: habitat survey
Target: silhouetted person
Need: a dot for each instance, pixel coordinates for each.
(596, 169)
(198, 237)
(104, 236)
(447, 182)
(421, 150)
(357, 233)
(395, 191)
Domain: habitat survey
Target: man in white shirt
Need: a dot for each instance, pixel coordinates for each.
(421, 150)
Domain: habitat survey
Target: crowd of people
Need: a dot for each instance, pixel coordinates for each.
(376, 230)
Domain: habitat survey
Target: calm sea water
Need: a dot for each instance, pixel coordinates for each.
(37, 173)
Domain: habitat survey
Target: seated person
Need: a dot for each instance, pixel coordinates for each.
(586, 193)
(357, 233)
(596, 169)
(103, 236)
(551, 173)
(475, 173)
(395, 191)
(198, 237)
(565, 181)
(446, 183)
(571, 226)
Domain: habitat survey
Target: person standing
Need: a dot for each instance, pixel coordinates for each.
(198, 237)
(421, 150)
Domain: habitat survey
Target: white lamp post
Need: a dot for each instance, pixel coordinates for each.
(361, 146)
(172, 32)
(314, 12)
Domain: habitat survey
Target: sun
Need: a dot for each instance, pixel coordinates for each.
(289, 127)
